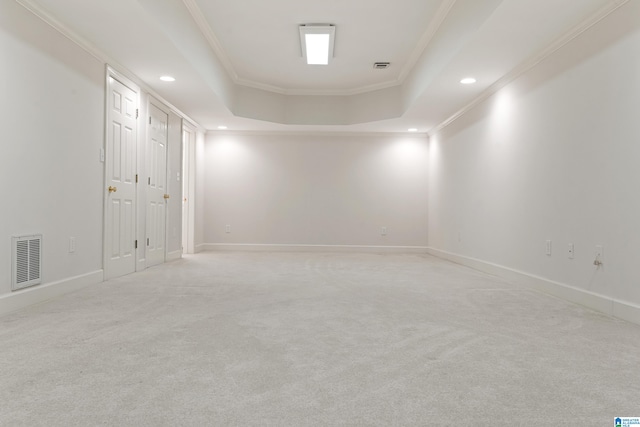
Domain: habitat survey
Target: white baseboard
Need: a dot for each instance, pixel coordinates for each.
(175, 255)
(626, 311)
(37, 294)
(601, 303)
(310, 248)
(200, 248)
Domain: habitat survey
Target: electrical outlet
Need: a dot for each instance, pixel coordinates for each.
(227, 228)
(383, 231)
(570, 251)
(72, 245)
(548, 248)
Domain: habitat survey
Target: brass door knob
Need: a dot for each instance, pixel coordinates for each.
(113, 189)
(166, 196)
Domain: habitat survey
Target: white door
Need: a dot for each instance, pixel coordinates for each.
(121, 145)
(157, 186)
(188, 160)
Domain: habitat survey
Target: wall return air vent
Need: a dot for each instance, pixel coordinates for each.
(27, 261)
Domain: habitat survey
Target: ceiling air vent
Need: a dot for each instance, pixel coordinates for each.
(381, 65)
(27, 261)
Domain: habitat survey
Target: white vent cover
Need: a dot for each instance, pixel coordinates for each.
(381, 65)
(27, 261)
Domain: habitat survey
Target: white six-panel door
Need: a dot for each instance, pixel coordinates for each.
(121, 146)
(156, 185)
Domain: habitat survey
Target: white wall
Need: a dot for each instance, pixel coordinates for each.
(200, 199)
(315, 190)
(51, 122)
(554, 155)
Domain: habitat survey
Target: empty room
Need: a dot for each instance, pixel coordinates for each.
(296, 213)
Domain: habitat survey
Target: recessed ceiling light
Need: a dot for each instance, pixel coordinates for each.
(167, 79)
(316, 42)
(468, 81)
(412, 130)
(222, 127)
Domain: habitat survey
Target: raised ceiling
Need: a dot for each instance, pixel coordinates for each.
(238, 63)
(260, 40)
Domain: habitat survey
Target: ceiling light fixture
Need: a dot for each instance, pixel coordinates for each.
(468, 81)
(412, 130)
(222, 127)
(316, 42)
(167, 79)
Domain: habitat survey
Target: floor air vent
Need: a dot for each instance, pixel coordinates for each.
(27, 261)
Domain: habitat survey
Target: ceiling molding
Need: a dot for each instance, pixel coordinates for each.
(57, 25)
(213, 41)
(416, 135)
(99, 55)
(533, 60)
(430, 32)
(261, 86)
(316, 92)
(216, 46)
(346, 92)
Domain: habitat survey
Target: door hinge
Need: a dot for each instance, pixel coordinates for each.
(147, 241)
(137, 113)
(149, 119)
(136, 245)
(149, 181)
(136, 178)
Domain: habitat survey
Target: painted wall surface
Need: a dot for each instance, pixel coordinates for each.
(315, 189)
(52, 121)
(552, 156)
(200, 199)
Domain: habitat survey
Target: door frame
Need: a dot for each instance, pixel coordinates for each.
(110, 73)
(188, 187)
(165, 109)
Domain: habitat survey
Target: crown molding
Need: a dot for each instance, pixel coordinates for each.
(427, 37)
(416, 135)
(316, 92)
(216, 46)
(99, 55)
(533, 60)
(212, 39)
(57, 25)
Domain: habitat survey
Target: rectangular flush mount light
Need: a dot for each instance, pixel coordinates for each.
(316, 41)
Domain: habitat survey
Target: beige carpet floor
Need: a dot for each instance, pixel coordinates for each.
(315, 339)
